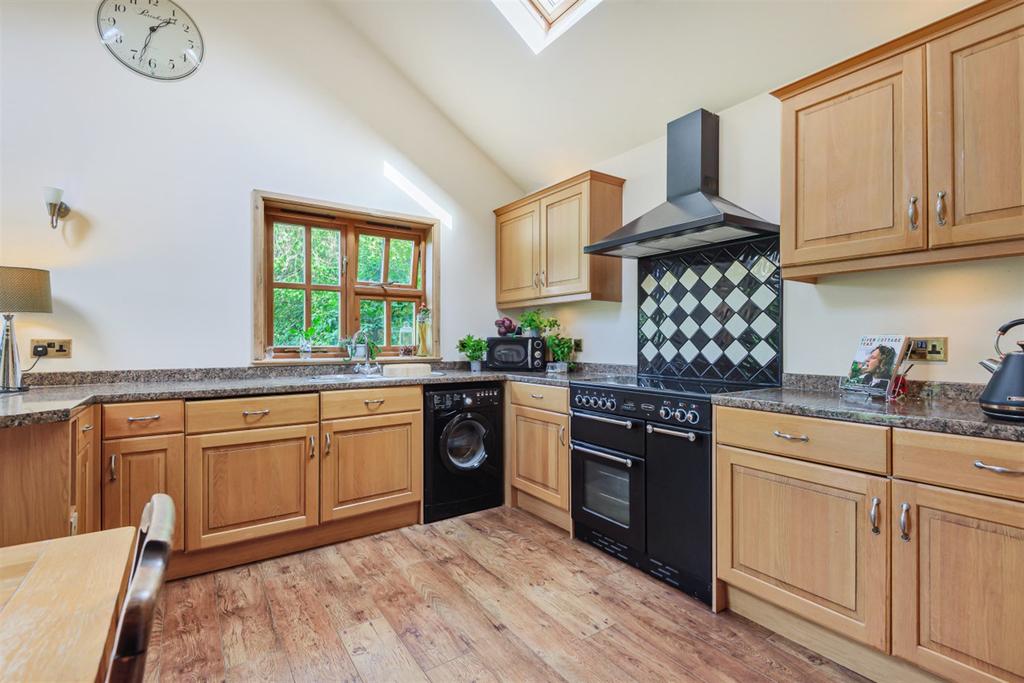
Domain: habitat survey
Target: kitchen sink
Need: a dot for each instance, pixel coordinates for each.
(353, 377)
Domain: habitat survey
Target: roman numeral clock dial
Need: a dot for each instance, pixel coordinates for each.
(155, 38)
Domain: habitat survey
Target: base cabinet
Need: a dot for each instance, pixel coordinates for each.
(808, 538)
(539, 442)
(249, 484)
(370, 463)
(85, 479)
(133, 470)
(957, 596)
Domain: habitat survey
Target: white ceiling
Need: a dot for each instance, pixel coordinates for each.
(615, 79)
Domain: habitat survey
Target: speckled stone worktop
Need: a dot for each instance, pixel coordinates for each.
(934, 414)
(54, 403)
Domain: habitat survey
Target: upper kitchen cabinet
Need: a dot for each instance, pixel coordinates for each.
(540, 242)
(911, 153)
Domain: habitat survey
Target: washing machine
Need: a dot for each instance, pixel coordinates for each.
(463, 468)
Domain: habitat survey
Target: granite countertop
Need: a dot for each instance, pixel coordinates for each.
(946, 415)
(56, 403)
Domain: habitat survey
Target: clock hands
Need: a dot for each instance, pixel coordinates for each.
(152, 30)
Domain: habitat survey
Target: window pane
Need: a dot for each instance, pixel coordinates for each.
(326, 311)
(371, 259)
(326, 256)
(400, 261)
(289, 316)
(289, 253)
(403, 331)
(371, 319)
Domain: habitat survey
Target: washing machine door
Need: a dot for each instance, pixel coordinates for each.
(465, 443)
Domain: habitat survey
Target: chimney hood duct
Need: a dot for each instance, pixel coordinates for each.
(694, 215)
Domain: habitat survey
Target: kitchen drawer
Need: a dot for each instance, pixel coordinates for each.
(949, 460)
(844, 444)
(539, 396)
(232, 414)
(362, 402)
(148, 418)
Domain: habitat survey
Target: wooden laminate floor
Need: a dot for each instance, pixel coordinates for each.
(494, 596)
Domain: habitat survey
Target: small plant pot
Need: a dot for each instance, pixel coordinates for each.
(558, 366)
(305, 350)
(531, 332)
(359, 353)
(475, 365)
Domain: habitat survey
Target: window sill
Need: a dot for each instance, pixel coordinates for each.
(344, 361)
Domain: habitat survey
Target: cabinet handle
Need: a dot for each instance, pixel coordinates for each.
(537, 396)
(144, 418)
(996, 468)
(561, 434)
(113, 467)
(904, 519)
(543, 279)
(803, 438)
(940, 208)
(690, 436)
(912, 212)
(373, 401)
(312, 447)
(250, 413)
(621, 461)
(536, 280)
(873, 515)
(327, 444)
(625, 424)
(86, 428)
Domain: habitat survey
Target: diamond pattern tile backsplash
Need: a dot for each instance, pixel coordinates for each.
(713, 314)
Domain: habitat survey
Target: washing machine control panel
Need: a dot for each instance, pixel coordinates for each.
(466, 398)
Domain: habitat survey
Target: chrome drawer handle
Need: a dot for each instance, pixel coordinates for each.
(612, 458)
(373, 401)
(873, 515)
(690, 436)
(250, 413)
(996, 468)
(904, 519)
(912, 212)
(626, 424)
(86, 428)
(803, 438)
(537, 396)
(144, 418)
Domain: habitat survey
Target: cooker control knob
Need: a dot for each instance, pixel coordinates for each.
(611, 404)
(693, 417)
(536, 354)
(665, 413)
(602, 402)
(578, 400)
(588, 401)
(468, 400)
(680, 415)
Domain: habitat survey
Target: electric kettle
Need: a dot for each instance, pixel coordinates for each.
(1004, 395)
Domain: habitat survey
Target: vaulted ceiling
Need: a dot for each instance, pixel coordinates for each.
(617, 77)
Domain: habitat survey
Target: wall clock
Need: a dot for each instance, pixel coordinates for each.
(155, 38)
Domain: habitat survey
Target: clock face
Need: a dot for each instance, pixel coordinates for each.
(155, 38)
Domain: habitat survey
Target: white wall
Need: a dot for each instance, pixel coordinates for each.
(965, 302)
(153, 269)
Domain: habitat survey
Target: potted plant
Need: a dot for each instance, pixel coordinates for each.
(561, 352)
(532, 323)
(474, 349)
(306, 337)
(423, 324)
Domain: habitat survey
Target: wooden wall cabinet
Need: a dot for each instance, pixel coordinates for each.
(540, 240)
(909, 154)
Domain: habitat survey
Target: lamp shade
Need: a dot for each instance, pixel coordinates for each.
(25, 290)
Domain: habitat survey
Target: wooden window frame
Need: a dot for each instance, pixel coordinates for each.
(550, 18)
(269, 207)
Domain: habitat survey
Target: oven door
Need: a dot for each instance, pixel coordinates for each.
(608, 493)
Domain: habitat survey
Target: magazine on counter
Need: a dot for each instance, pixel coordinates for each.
(876, 361)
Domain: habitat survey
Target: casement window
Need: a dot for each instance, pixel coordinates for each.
(332, 272)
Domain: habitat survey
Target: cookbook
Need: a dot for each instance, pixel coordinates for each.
(875, 363)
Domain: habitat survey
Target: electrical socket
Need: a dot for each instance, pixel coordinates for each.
(929, 349)
(55, 348)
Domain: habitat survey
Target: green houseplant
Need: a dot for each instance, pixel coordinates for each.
(561, 352)
(534, 323)
(474, 349)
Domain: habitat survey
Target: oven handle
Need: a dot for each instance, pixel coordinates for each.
(620, 461)
(627, 424)
(651, 429)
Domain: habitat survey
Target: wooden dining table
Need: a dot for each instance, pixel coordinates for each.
(59, 604)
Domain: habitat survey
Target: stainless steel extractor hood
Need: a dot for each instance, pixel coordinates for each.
(694, 215)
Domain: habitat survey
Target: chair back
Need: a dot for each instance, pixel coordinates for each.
(152, 551)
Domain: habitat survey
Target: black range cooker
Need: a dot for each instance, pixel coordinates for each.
(641, 474)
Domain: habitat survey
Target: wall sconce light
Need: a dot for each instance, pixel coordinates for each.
(54, 206)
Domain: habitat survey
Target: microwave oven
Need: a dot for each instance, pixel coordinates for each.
(516, 353)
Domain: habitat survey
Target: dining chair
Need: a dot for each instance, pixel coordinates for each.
(152, 550)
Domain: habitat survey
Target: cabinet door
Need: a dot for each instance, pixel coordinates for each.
(852, 160)
(136, 468)
(518, 246)
(85, 435)
(976, 131)
(957, 601)
(371, 463)
(540, 454)
(244, 485)
(564, 226)
(809, 538)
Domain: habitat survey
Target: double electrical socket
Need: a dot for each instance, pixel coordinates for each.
(54, 348)
(929, 349)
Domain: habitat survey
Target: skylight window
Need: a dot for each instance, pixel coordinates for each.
(540, 22)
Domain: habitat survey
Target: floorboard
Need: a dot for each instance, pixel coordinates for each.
(497, 595)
